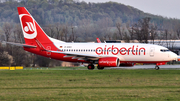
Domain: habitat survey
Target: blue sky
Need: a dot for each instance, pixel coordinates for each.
(166, 8)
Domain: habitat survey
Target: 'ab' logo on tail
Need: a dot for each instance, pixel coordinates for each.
(28, 26)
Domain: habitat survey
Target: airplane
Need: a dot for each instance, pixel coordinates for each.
(102, 54)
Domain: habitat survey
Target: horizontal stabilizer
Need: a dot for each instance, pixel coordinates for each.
(22, 45)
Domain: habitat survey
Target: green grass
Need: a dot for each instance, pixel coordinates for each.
(88, 85)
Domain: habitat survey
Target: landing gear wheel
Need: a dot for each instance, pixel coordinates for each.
(100, 68)
(157, 67)
(90, 67)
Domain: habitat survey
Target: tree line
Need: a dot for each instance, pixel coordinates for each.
(73, 11)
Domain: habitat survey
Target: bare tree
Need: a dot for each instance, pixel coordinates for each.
(145, 28)
(5, 59)
(131, 31)
(166, 34)
(153, 33)
(142, 30)
(138, 33)
(7, 28)
(178, 33)
(58, 28)
(177, 29)
(51, 31)
(118, 26)
(18, 35)
(65, 32)
(72, 36)
(84, 27)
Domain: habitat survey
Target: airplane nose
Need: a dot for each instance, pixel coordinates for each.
(173, 56)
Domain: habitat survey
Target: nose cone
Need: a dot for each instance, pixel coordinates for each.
(173, 56)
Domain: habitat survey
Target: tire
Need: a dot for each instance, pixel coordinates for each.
(100, 68)
(90, 67)
(157, 67)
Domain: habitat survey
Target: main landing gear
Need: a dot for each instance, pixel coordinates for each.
(157, 67)
(100, 68)
(91, 67)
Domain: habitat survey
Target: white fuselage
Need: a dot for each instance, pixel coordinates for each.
(129, 52)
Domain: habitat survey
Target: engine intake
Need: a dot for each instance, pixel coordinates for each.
(108, 62)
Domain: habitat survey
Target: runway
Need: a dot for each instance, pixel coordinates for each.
(149, 67)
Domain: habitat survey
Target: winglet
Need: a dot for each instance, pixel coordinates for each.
(98, 40)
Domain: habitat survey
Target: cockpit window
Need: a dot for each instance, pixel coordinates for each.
(164, 50)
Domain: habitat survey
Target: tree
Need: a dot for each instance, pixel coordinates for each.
(178, 33)
(42, 61)
(131, 32)
(7, 28)
(18, 35)
(142, 30)
(5, 59)
(73, 37)
(58, 28)
(177, 30)
(118, 26)
(153, 33)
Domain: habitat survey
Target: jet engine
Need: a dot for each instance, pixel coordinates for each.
(108, 62)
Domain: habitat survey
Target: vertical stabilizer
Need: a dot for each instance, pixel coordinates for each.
(31, 29)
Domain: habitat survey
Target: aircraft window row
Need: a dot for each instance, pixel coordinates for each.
(164, 50)
(92, 50)
(77, 50)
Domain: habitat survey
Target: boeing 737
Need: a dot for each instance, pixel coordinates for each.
(102, 54)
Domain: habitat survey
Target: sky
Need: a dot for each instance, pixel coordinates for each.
(165, 8)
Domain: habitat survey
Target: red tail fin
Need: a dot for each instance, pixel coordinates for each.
(31, 29)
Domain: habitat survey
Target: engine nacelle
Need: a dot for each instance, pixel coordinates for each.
(108, 62)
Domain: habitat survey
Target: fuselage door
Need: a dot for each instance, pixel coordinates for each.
(152, 49)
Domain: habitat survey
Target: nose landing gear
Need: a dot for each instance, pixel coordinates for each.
(157, 67)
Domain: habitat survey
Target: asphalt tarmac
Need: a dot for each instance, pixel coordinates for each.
(149, 67)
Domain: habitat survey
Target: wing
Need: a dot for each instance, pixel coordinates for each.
(79, 56)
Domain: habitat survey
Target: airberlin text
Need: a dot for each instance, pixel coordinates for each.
(134, 50)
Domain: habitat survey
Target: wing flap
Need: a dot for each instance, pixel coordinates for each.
(78, 55)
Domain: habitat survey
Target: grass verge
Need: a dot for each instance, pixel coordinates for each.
(87, 85)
